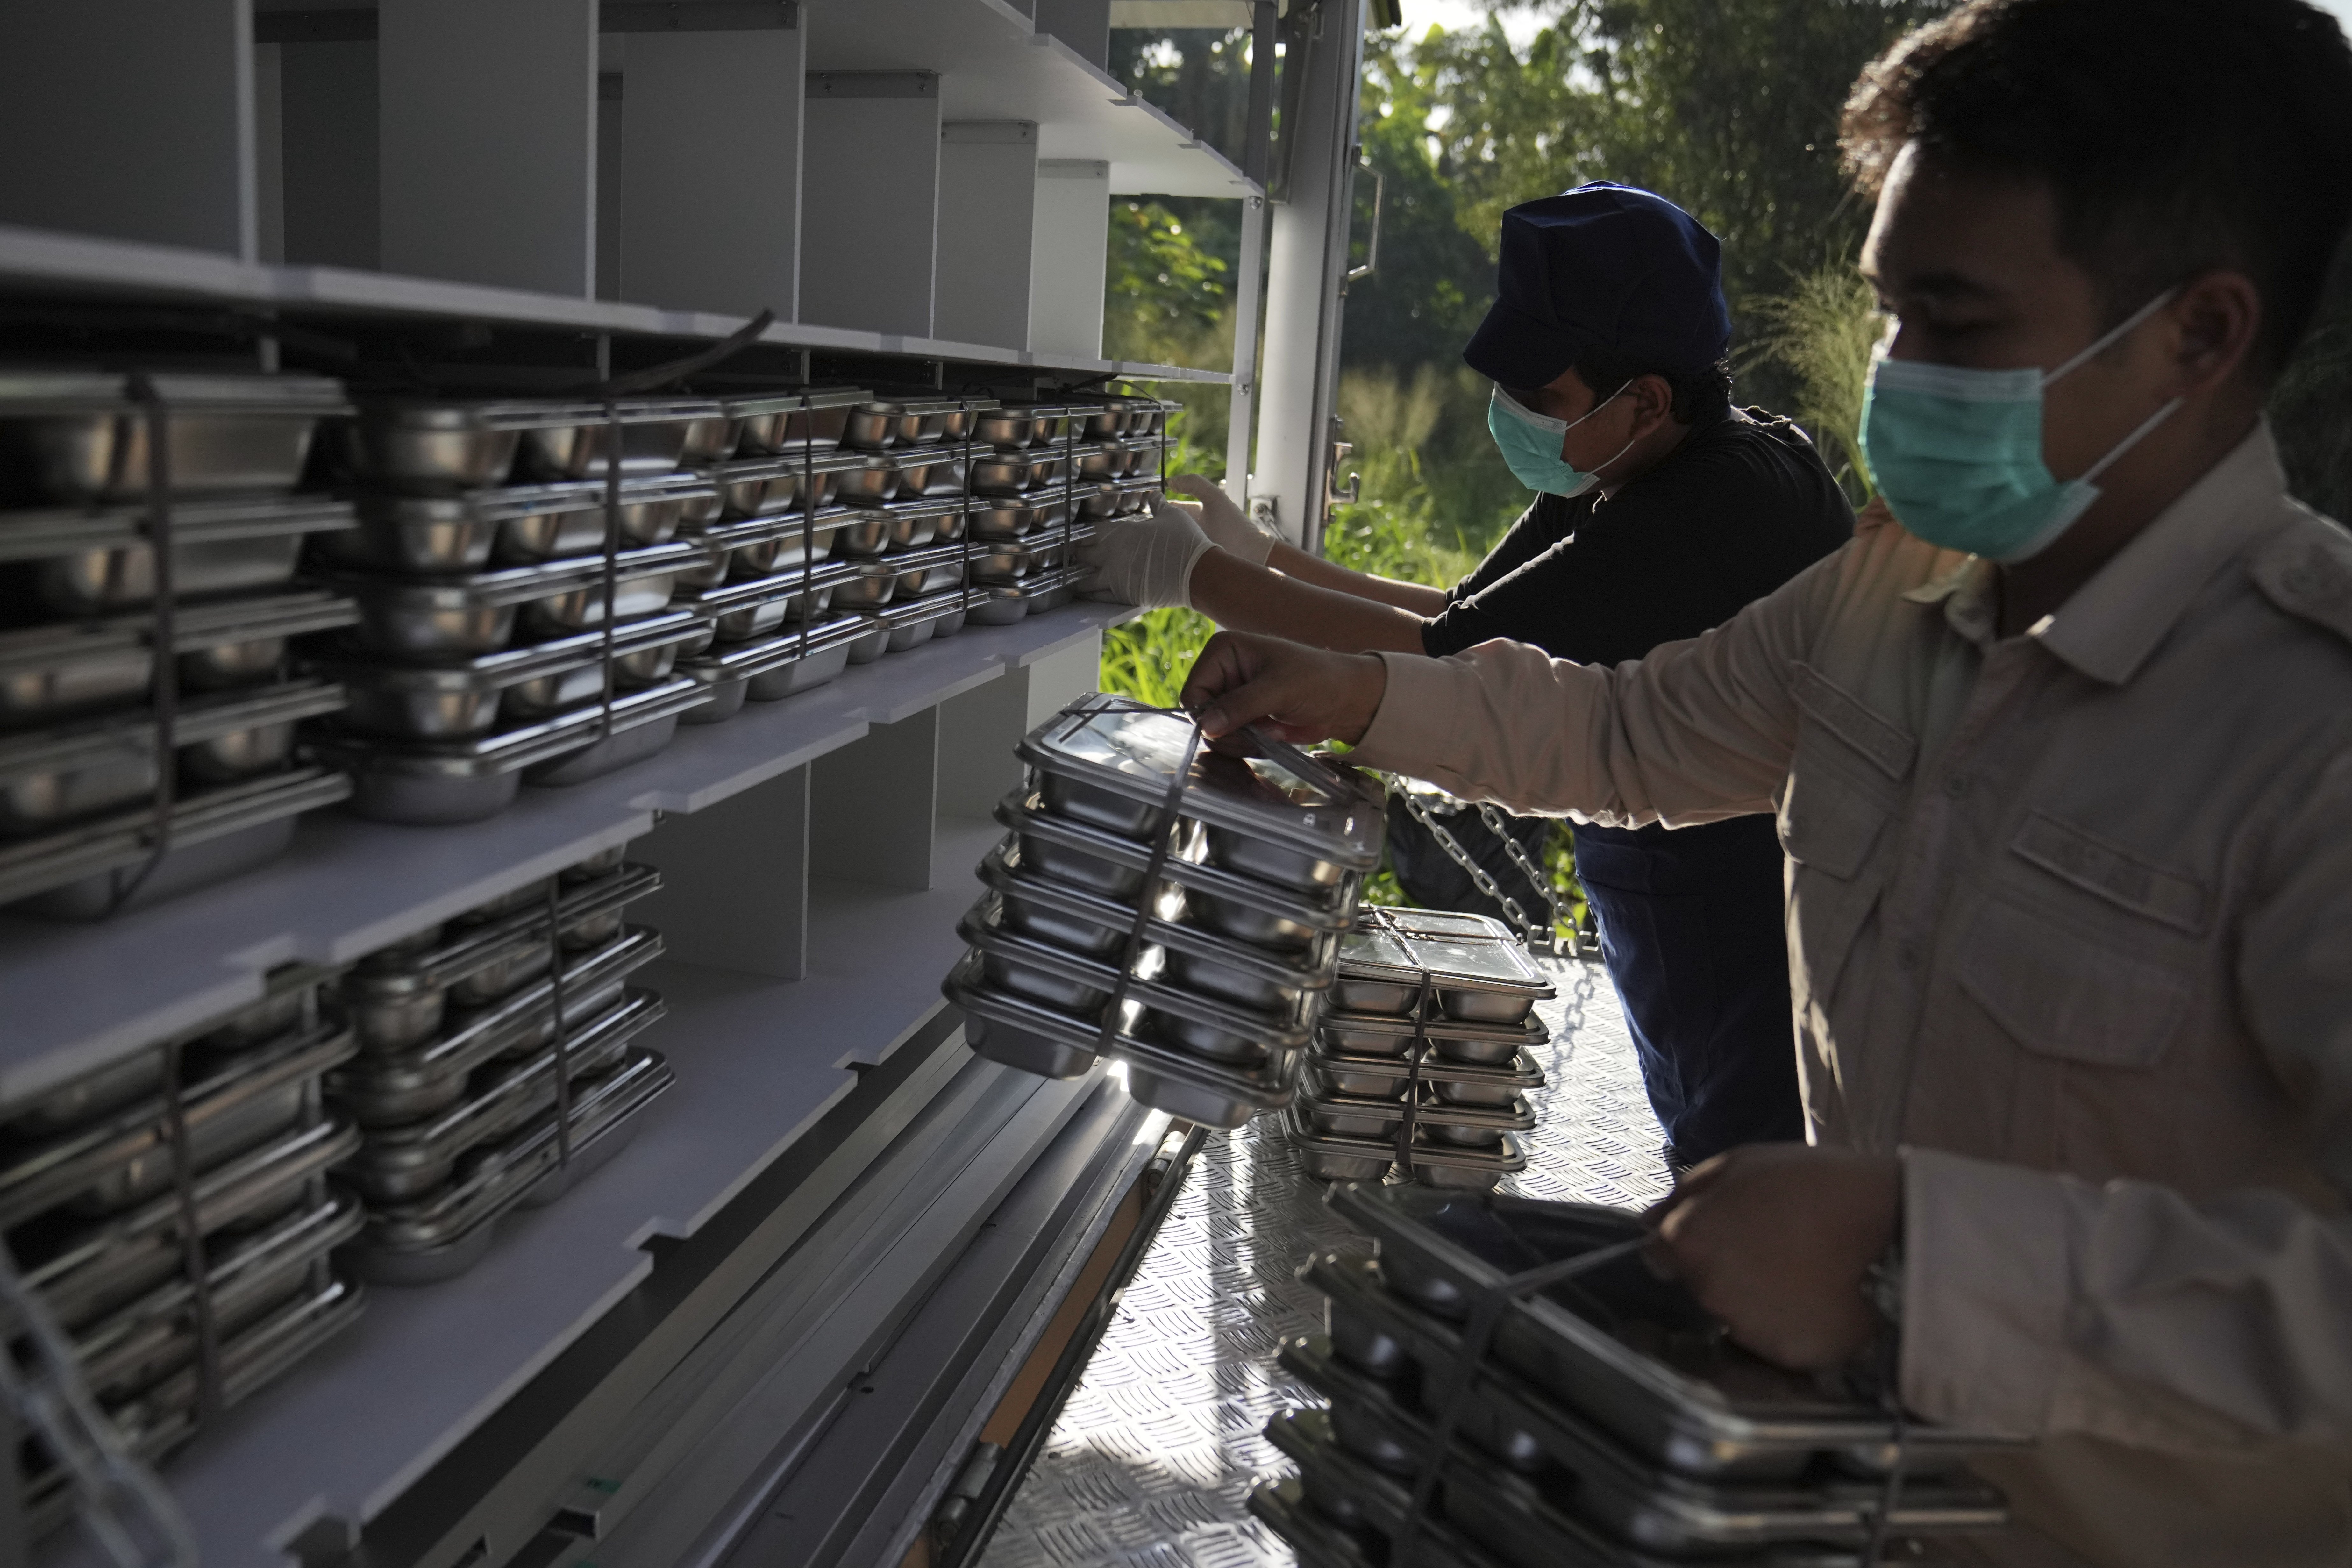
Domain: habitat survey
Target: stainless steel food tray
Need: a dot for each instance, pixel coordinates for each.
(397, 1001)
(900, 526)
(1717, 1411)
(1386, 1035)
(385, 1091)
(1465, 1084)
(440, 535)
(469, 779)
(762, 486)
(126, 1157)
(1573, 1472)
(1320, 1541)
(1003, 520)
(79, 563)
(907, 622)
(443, 1235)
(51, 778)
(1007, 565)
(1242, 907)
(81, 435)
(1004, 605)
(746, 611)
(1031, 1036)
(1476, 966)
(1090, 923)
(1336, 1157)
(448, 618)
(772, 668)
(929, 472)
(76, 872)
(1104, 762)
(1353, 1501)
(83, 1270)
(781, 421)
(912, 421)
(467, 698)
(1343, 1115)
(1014, 470)
(759, 547)
(56, 672)
(459, 443)
(909, 574)
(404, 1162)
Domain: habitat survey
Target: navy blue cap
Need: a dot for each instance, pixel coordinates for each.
(1602, 266)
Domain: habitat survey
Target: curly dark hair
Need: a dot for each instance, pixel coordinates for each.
(2179, 136)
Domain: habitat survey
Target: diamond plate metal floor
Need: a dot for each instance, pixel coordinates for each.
(1160, 1444)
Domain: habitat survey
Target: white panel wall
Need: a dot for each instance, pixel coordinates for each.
(1072, 254)
(488, 149)
(327, 108)
(988, 199)
(869, 212)
(132, 119)
(710, 188)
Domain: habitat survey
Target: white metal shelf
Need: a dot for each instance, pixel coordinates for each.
(45, 261)
(77, 997)
(994, 66)
(757, 1062)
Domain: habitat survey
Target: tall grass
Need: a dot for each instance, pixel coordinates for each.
(1821, 334)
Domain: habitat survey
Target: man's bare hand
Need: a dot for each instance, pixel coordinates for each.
(1298, 693)
(1774, 1239)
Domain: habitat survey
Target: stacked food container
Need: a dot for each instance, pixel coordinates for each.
(1019, 520)
(1175, 906)
(514, 564)
(118, 774)
(495, 1065)
(1607, 1420)
(1423, 1061)
(171, 1212)
(774, 560)
(904, 547)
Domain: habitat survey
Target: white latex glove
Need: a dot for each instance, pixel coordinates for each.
(1144, 561)
(1227, 526)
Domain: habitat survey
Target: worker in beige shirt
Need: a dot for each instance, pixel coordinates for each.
(2061, 763)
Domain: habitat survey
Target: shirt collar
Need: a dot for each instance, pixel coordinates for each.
(2115, 621)
(2111, 625)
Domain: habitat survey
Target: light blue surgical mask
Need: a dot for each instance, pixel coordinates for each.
(1957, 452)
(1532, 445)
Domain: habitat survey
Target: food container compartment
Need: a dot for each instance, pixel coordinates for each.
(655, 435)
(649, 512)
(743, 612)
(771, 422)
(443, 1235)
(871, 483)
(440, 535)
(644, 734)
(1099, 460)
(929, 471)
(1255, 857)
(1478, 1045)
(81, 436)
(1002, 472)
(448, 443)
(1337, 1116)
(467, 697)
(901, 526)
(637, 592)
(909, 623)
(763, 487)
(444, 782)
(779, 665)
(1001, 605)
(409, 1160)
(460, 617)
(999, 519)
(1137, 494)
(50, 779)
(912, 422)
(389, 1089)
(1478, 969)
(1003, 563)
(84, 562)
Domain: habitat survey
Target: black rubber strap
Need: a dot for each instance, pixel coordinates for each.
(164, 683)
(1425, 993)
(964, 503)
(653, 377)
(192, 1241)
(808, 521)
(1160, 849)
(563, 1041)
(1486, 1316)
(612, 558)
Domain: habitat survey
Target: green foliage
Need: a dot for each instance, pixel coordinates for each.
(1820, 334)
(1149, 657)
(1161, 279)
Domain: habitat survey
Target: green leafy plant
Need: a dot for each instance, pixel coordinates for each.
(1821, 334)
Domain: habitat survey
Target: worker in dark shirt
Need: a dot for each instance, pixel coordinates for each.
(1661, 511)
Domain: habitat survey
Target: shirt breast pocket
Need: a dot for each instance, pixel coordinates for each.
(1842, 794)
(2074, 985)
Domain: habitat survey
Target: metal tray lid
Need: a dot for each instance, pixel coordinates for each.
(519, 584)
(928, 506)
(900, 560)
(1024, 813)
(783, 585)
(27, 392)
(34, 533)
(1529, 1031)
(1521, 1072)
(507, 667)
(1397, 945)
(748, 405)
(799, 461)
(1310, 970)
(1282, 793)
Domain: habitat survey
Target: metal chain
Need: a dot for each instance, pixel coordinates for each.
(1479, 879)
(1528, 868)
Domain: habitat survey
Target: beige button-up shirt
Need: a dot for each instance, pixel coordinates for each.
(2070, 923)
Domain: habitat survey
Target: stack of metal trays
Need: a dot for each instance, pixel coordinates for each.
(1195, 944)
(498, 641)
(95, 1193)
(809, 420)
(1610, 1420)
(464, 1070)
(1458, 991)
(892, 424)
(83, 749)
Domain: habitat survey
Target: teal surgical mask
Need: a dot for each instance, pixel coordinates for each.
(1957, 452)
(1532, 445)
